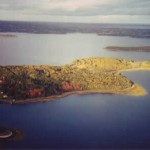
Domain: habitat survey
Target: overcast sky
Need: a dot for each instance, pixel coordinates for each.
(103, 11)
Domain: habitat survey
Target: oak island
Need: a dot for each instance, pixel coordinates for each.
(22, 84)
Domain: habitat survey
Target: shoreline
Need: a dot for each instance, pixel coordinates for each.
(132, 91)
(127, 91)
(122, 92)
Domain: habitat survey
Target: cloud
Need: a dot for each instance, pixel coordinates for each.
(79, 7)
(71, 5)
(75, 9)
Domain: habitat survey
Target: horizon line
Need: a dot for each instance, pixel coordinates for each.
(71, 22)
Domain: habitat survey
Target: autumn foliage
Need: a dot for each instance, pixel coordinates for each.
(70, 86)
(35, 92)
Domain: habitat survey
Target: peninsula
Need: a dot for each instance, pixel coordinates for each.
(31, 83)
(123, 48)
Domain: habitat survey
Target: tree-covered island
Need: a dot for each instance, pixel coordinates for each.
(31, 83)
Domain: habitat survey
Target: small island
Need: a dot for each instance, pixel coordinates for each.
(9, 134)
(30, 83)
(5, 133)
(8, 35)
(123, 48)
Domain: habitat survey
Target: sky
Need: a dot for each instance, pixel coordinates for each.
(92, 11)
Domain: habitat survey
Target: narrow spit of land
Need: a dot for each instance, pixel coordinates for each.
(7, 35)
(26, 83)
(123, 48)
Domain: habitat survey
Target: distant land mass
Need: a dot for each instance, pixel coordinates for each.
(27, 83)
(123, 48)
(138, 31)
(8, 35)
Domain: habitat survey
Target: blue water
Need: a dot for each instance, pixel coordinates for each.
(83, 121)
(77, 121)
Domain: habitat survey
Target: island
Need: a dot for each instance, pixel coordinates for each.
(5, 133)
(123, 48)
(22, 84)
(8, 35)
(10, 134)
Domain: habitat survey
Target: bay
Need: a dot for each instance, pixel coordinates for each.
(77, 121)
(60, 49)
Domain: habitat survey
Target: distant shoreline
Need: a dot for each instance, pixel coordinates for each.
(121, 48)
(101, 29)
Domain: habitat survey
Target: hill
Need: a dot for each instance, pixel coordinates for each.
(21, 84)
